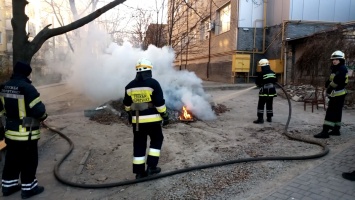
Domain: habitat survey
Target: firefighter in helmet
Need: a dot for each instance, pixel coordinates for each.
(265, 81)
(24, 110)
(145, 103)
(336, 93)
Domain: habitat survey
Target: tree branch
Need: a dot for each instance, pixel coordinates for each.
(47, 33)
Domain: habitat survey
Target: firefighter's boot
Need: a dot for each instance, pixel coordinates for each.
(141, 175)
(335, 131)
(25, 194)
(153, 170)
(324, 133)
(349, 176)
(6, 191)
(259, 121)
(269, 119)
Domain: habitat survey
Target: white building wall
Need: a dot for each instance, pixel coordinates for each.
(277, 11)
(249, 13)
(309, 10)
(323, 10)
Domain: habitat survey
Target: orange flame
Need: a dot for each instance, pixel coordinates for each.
(185, 115)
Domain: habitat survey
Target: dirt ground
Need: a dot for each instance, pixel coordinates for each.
(103, 151)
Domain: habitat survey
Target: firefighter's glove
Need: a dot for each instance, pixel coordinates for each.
(165, 117)
(44, 117)
(129, 114)
(2, 133)
(329, 91)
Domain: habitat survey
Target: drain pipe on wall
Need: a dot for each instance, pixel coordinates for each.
(285, 65)
(254, 44)
(284, 50)
(209, 44)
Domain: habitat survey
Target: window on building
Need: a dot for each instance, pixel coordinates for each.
(8, 14)
(224, 19)
(185, 39)
(193, 37)
(9, 37)
(204, 30)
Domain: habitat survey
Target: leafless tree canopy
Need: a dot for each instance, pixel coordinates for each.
(313, 66)
(23, 49)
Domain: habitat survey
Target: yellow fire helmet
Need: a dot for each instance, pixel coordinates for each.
(143, 64)
(336, 55)
(264, 62)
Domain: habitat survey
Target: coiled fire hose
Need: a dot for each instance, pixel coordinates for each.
(61, 179)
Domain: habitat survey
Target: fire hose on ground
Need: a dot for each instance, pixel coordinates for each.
(61, 179)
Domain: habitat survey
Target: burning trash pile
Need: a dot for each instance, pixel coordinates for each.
(113, 112)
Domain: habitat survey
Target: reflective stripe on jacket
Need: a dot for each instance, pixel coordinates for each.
(20, 99)
(338, 80)
(145, 91)
(266, 80)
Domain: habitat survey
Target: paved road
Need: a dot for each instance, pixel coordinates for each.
(323, 182)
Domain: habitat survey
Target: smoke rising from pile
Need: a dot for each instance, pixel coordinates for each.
(101, 69)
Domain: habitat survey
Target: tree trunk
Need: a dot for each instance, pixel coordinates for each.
(20, 42)
(23, 50)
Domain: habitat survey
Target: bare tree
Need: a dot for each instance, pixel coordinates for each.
(156, 33)
(186, 21)
(160, 30)
(313, 66)
(56, 8)
(142, 20)
(113, 25)
(23, 49)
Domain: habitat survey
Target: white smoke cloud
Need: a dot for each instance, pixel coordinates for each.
(100, 70)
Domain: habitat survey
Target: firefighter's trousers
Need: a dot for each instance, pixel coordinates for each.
(334, 112)
(21, 159)
(261, 106)
(154, 131)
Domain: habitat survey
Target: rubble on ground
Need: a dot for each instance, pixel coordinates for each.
(114, 112)
(299, 93)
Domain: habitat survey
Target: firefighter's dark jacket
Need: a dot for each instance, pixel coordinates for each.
(265, 81)
(145, 89)
(337, 81)
(20, 99)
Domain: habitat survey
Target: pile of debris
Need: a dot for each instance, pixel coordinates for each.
(114, 112)
(301, 92)
(297, 92)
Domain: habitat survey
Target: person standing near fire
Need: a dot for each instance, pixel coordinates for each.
(144, 101)
(266, 82)
(336, 93)
(24, 111)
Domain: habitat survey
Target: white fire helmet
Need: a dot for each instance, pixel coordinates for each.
(336, 55)
(143, 64)
(264, 62)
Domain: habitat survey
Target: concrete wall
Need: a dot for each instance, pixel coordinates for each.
(298, 30)
(274, 42)
(245, 40)
(200, 70)
(220, 72)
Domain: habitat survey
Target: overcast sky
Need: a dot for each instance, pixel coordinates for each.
(147, 5)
